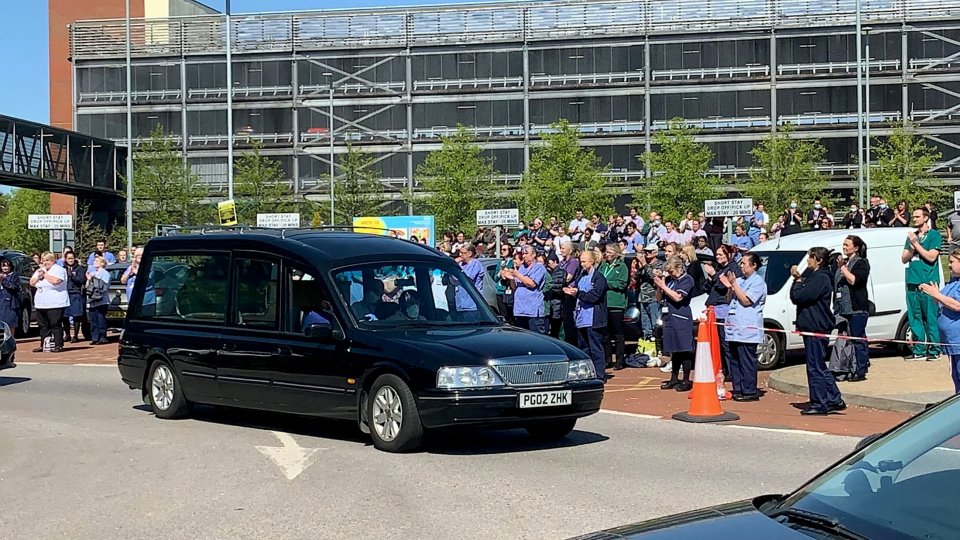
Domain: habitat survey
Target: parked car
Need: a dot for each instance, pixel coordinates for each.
(342, 325)
(901, 485)
(117, 310)
(886, 286)
(8, 347)
(24, 266)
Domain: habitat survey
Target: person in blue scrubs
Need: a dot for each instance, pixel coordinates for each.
(744, 321)
(949, 320)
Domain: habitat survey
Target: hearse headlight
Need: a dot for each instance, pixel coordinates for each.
(579, 370)
(468, 377)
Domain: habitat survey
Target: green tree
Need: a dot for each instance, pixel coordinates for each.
(359, 191)
(164, 190)
(457, 181)
(679, 166)
(563, 177)
(902, 166)
(14, 233)
(785, 169)
(258, 186)
(87, 232)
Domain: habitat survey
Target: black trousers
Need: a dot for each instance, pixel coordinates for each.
(49, 322)
(555, 326)
(570, 333)
(613, 341)
(506, 310)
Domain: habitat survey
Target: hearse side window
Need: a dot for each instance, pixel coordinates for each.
(384, 295)
(256, 301)
(186, 288)
(309, 302)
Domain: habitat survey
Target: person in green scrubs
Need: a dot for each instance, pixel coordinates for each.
(921, 254)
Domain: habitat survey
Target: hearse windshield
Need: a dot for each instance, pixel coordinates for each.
(410, 294)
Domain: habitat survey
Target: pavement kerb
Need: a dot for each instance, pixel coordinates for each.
(780, 380)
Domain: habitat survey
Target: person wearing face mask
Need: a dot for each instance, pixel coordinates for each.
(879, 214)
(409, 307)
(853, 219)
(791, 221)
(815, 216)
(9, 294)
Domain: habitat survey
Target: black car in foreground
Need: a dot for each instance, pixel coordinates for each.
(380, 331)
(8, 347)
(902, 485)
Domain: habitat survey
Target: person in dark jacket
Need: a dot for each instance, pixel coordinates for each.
(589, 289)
(74, 314)
(674, 293)
(851, 273)
(9, 294)
(811, 292)
(554, 296)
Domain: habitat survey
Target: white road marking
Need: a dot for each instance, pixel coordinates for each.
(775, 430)
(634, 415)
(292, 458)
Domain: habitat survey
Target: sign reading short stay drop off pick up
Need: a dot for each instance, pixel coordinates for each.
(498, 217)
(50, 221)
(727, 207)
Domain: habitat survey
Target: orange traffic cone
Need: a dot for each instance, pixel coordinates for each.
(722, 391)
(704, 403)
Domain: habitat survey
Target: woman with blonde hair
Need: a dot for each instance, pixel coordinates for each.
(51, 298)
(98, 300)
(673, 291)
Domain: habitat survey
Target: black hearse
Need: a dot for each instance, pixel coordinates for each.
(377, 330)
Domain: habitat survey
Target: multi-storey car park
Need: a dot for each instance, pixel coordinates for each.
(391, 82)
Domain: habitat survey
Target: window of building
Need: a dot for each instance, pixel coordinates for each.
(187, 288)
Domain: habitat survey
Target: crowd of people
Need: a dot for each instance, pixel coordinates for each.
(574, 282)
(69, 296)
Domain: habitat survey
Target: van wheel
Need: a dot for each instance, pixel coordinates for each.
(551, 430)
(770, 353)
(23, 329)
(394, 420)
(166, 396)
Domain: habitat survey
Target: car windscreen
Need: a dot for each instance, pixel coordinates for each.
(776, 267)
(905, 485)
(382, 295)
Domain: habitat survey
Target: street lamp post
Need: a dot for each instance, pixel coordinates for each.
(333, 219)
(859, 107)
(229, 106)
(129, 138)
(867, 138)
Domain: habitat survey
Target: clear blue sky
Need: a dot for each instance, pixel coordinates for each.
(24, 92)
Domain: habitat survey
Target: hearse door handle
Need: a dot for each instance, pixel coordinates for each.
(284, 350)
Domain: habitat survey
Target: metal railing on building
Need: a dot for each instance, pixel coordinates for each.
(480, 23)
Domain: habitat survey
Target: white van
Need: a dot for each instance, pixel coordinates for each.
(886, 287)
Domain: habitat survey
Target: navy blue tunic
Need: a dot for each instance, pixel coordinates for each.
(10, 300)
(678, 317)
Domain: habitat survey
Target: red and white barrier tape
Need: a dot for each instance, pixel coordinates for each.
(852, 338)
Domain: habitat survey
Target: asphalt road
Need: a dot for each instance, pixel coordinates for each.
(81, 457)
